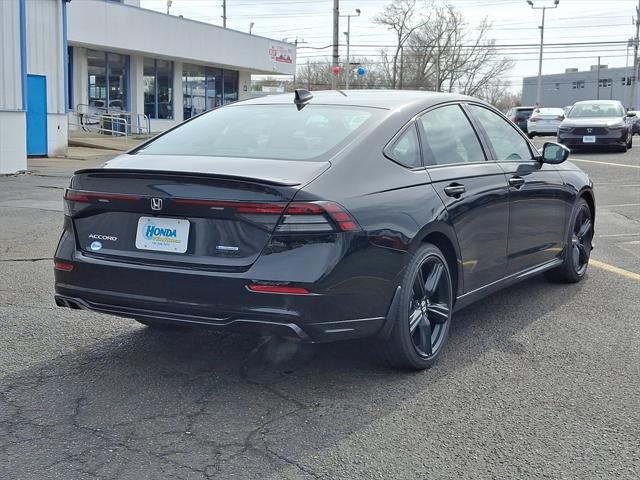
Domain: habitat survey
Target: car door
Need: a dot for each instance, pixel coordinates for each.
(473, 190)
(538, 199)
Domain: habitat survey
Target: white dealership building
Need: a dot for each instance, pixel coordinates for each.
(60, 56)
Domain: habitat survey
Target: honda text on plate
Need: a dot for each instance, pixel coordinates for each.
(325, 216)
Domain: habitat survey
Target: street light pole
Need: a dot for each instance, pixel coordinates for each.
(348, 35)
(544, 9)
(634, 84)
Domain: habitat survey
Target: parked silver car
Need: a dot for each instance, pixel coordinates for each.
(544, 121)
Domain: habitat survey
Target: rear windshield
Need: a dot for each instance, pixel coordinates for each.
(549, 111)
(264, 131)
(524, 112)
(588, 110)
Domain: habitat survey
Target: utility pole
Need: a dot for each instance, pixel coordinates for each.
(224, 13)
(598, 81)
(634, 84)
(347, 34)
(544, 9)
(336, 39)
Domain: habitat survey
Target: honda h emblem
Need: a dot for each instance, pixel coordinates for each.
(156, 204)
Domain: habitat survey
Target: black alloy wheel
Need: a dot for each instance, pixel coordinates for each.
(581, 239)
(579, 246)
(424, 314)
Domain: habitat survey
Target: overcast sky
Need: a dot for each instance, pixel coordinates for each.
(514, 22)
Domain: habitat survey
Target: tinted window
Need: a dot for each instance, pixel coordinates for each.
(406, 149)
(506, 141)
(449, 137)
(264, 131)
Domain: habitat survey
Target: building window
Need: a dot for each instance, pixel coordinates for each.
(626, 81)
(108, 80)
(158, 88)
(578, 84)
(557, 86)
(604, 82)
(205, 88)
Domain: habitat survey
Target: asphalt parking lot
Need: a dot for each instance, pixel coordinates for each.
(538, 381)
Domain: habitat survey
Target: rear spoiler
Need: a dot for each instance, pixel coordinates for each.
(172, 173)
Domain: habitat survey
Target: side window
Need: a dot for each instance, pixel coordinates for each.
(506, 141)
(406, 149)
(449, 137)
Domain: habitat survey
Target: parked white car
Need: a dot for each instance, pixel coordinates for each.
(544, 121)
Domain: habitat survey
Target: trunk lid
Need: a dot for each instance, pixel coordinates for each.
(214, 214)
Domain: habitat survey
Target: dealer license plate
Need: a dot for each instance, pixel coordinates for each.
(162, 234)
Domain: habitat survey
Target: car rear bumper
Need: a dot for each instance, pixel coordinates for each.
(349, 297)
(543, 129)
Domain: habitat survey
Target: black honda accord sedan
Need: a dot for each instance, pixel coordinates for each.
(325, 216)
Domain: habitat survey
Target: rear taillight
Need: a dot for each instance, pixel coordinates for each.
(314, 217)
(78, 199)
(87, 197)
(533, 119)
(297, 217)
(560, 117)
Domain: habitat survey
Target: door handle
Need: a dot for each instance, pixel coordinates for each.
(516, 182)
(454, 190)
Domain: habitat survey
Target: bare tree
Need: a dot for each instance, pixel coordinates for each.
(440, 53)
(401, 17)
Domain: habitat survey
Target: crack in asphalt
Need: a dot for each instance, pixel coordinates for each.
(36, 259)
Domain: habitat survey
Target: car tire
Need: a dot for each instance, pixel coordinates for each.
(630, 142)
(423, 313)
(162, 326)
(578, 247)
(530, 135)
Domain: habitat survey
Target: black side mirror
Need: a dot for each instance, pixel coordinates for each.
(631, 114)
(554, 153)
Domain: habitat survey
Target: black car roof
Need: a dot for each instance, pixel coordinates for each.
(387, 99)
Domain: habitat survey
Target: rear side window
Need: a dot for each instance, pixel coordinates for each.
(449, 137)
(406, 149)
(264, 131)
(506, 141)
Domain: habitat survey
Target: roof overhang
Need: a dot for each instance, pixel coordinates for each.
(117, 27)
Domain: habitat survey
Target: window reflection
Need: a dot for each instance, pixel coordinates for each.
(205, 88)
(158, 88)
(108, 77)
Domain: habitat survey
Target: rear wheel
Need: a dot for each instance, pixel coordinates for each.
(579, 246)
(424, 314)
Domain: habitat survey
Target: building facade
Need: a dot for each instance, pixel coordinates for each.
(563, 89)
(112, 56)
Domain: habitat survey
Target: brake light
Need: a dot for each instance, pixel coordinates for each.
(297, 217)
(316, 217)
(533, 119)
(282, 289)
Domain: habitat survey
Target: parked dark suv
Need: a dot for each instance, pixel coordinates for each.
(520, 115)
(597, 123)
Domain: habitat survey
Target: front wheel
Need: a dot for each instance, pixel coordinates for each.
(424, 314)
(579, 246)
